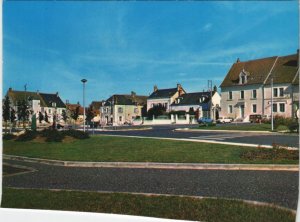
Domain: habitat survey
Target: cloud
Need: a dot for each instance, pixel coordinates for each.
(207, 27)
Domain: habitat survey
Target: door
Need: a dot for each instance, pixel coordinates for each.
(242, 108)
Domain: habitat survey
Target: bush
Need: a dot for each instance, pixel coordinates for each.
(52, 135)
(282, 128)
(294, 126)
(9, 136)
(76, 134)
(27, 136)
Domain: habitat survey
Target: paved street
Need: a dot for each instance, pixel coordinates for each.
(276, 187)
(167, 131)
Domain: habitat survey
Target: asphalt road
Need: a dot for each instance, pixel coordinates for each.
(277, 187)
(167, 131)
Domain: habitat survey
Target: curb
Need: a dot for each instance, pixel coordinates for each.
(240, 131)
(153, 165)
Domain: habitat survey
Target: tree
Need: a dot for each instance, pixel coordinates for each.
(46, 117)
(41, 117)
(89, 115)
(75, 113)
(12, 115)
(157, 110)
(64, 115)
(23, 111)
(6, 110)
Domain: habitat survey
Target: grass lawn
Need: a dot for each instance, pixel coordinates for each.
(245, 127)
(173, 207)
(121, 149)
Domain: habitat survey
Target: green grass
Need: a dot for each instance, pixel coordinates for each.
(121, 149)
(173, 207)
(245, 127)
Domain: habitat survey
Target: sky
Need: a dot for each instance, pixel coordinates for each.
(121, 47)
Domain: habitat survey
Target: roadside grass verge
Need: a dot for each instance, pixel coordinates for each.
(122, 149)
(243, 127)
(172, 207)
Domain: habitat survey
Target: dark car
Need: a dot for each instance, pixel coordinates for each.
(255, 118)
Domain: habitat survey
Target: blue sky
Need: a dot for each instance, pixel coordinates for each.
(121, 47)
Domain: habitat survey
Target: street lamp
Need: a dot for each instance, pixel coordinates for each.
(83, 81)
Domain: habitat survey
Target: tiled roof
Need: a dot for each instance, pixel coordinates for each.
(284, 70)
(126, 100)
(257, 71)
(194, 99)
(45, 99)
(163, 93)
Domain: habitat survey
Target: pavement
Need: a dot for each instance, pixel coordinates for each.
(274, 187)
(230, 137)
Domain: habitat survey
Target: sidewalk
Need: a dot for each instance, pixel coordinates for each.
(152, 165)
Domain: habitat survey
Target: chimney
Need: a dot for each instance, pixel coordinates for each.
(56, 94)
(238, 60)
(10, 89)
(133, 94)
(155, 88)
(178, 86)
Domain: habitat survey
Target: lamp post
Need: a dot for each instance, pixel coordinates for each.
(83, 81)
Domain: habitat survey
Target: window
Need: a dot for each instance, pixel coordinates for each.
(254, 108)
(281, 92)
(281, 107)
(254, 94)
(275, 92)
(49, 111)
(243, 79)
(120, 110)
(120, 118)
(230, 95)
(275, 107)
(242, 94)
(230, 109)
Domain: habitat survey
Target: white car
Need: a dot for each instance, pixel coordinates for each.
(224, 120)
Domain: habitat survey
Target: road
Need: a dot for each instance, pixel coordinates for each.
(167, 131)
(277, 187)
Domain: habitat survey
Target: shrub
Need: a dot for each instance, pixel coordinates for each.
(9, 136)
(76, 134)
(52, 135)
(282, 128)
(294, 126)
(27, 136)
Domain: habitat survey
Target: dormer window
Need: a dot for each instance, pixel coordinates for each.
(243, 77)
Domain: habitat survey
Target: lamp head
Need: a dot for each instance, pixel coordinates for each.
(84, 80)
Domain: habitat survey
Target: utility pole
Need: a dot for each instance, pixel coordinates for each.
(83, 81)
(209, 84)
(272, 119)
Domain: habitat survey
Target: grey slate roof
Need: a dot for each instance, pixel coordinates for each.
(126, 100)
(52, 98)
(189, 99)
(163, 93)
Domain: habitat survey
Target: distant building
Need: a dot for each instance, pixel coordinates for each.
(122, 109)
(246, 89)
(165, 97)
(38, 102)
(207, 104)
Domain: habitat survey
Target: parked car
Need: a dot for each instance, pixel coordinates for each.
(204, 120)
(224, 120)
(256, 118)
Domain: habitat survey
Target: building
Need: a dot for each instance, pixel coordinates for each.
(122, 109)
(200, 102)
(247, 87)
(46, 103)
(165, 97)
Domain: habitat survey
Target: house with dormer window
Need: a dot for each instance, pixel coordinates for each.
(165, 97)
(247, 88)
